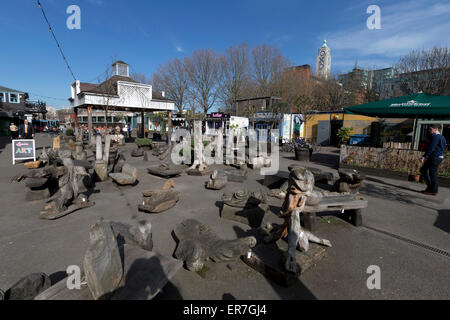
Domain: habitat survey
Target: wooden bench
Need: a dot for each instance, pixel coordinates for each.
(350, 205)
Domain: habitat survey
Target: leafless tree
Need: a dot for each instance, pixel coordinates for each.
(203, 69)
(425, 70)
(235, 68)
(141, 78)
(108, 88)
(268, 66)
(172, 78)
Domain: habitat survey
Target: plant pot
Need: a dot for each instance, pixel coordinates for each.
(302, 154)
(146, 148)
(414, 177)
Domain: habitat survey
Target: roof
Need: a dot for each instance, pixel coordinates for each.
(110, 87)
(411, 106)
(258, 98)
(84, 86)
(121, 62)
(106, 87)
(10, 90)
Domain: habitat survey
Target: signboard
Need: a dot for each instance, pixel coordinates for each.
(410, 103)
(219, 115)
(23, 150)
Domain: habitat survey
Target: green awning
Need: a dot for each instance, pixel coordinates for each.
(415, 105)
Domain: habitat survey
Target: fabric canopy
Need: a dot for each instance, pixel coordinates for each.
(411, 106)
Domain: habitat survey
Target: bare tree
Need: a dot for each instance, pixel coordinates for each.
(204, 74)
(173, 79)
(268, 66)
(108, 88)
(235, 68)
(426, 70)
(141, 78)
(330, 95)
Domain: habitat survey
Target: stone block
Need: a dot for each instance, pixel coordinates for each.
(269, 259)
(236, 175)
(102, 262)
(28, 287)
(101, 169)
(173, 171)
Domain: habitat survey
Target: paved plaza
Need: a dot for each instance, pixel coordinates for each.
(405, 233)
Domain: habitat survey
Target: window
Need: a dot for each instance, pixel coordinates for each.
(109, 119)
(2, 97)
(13, 97)
(100, 119)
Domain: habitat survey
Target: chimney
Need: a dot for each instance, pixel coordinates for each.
(75, 89)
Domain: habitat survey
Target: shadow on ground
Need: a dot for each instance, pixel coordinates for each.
(393, 194)
(443, 220)
(4, 141)
(296, 291)
(326, 159)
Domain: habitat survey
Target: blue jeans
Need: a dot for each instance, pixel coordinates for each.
(429, 172)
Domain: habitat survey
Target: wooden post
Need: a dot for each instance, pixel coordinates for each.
(169, 128)
(142, 124)
(89, 111)
(76, 117)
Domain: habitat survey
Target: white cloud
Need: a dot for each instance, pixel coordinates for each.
(405, 26)
(179, 49)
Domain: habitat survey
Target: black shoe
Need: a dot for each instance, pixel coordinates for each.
(429, 193)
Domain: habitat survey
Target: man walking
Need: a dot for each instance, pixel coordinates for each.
(432, 159)
(26, 131)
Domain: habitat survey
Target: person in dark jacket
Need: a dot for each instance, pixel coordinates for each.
(434, 154)
(26, 131)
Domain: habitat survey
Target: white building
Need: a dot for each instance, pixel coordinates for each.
(119, 93)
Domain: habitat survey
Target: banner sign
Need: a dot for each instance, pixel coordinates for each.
(23, 150)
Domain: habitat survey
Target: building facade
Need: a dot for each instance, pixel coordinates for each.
(248, 107)
(15, 107)
(119, 93)
(367, 79)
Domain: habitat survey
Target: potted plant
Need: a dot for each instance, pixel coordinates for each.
(414, 176)
(344, 135)
(70, 135)
(143, 143)
(303, 151)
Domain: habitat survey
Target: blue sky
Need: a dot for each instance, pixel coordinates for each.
(148, 33)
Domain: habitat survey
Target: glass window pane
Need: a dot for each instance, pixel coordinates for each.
(13, 97)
